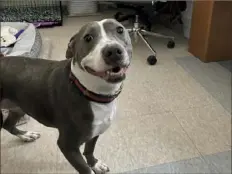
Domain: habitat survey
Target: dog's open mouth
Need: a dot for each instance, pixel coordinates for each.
(116, 71)
(112, 74)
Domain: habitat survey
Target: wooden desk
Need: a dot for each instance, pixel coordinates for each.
(211, 30)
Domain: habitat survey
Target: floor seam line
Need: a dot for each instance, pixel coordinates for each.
(201, 155)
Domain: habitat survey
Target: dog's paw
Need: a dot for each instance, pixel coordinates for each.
(29, 136)
(100, 168)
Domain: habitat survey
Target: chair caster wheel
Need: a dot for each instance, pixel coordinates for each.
(151, 60)
(171, 44)
(117, 15)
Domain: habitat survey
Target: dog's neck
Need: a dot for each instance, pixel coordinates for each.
(93, 83)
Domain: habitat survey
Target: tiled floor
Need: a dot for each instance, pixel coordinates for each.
(215, 163)
(210, 81)
(167, 118)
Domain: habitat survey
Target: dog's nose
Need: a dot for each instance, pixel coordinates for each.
(112, 53)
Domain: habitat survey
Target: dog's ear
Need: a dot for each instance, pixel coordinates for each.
(70, 50)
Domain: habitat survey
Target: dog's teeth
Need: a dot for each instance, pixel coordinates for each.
(111, 73)
(107, 75)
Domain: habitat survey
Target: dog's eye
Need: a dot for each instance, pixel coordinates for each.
(88, 38)
(119, 30)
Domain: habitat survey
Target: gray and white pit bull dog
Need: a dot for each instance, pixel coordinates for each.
(76, 95)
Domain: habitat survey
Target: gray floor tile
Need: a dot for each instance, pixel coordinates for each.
(215, 78)
(209, 127)
(195, 165)
(219, 163)
(226, 64)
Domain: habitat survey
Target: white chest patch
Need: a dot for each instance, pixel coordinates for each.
(103, 116)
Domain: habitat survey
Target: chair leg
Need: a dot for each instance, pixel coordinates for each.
(137, 31)
(147, 43)
(144, 32)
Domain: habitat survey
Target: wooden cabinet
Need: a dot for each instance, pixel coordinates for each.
(211, 30)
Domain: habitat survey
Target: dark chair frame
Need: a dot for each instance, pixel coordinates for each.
(141, 16)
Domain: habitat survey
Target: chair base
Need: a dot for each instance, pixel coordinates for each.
(138, 32)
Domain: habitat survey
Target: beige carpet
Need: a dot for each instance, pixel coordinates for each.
(164, 115)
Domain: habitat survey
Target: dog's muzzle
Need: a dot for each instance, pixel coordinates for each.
(114, 57)
(112, 75)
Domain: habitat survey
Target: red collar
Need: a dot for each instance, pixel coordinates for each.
(99, 98)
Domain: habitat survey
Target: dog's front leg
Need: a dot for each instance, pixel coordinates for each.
(73, 155)
(97, 166)
(12, 117)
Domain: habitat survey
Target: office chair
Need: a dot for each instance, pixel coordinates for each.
(141, 15)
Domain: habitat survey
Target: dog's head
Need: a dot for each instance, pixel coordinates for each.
(102, 49)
